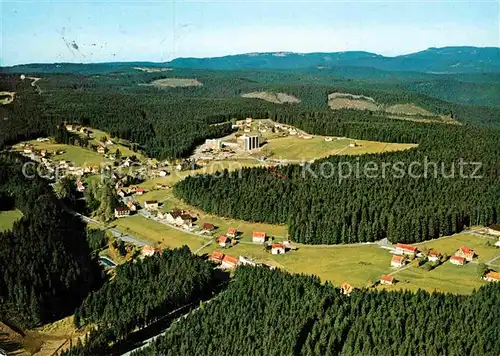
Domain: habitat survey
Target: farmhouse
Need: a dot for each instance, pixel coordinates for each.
(216, 257)
(398, 261)
(457, 260)
(208, 227)
(131, 205)
(147, 251)
(277, 249)
(492, 277)
(232, 232)
(493, 229)
(346, 288)
(151, 204)
(121, 212)
(259, 237)
(403, 249)
(223, 241)
(229, 262)
(246, 262)
(434, 256)
(466, 253)
(387, 280)
(139, 191)
(180, 218)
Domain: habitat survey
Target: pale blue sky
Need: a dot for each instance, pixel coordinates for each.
(97, 31)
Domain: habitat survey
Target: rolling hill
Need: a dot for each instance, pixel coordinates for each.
(432, 60)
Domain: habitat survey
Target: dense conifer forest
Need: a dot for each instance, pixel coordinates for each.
(267, 312)
(45, 265)
(323, 204)
(150, 288)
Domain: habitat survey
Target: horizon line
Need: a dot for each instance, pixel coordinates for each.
(251, 53)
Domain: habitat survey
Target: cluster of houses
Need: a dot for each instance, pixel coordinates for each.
(230, 262)
(404, 253)
(280, 248)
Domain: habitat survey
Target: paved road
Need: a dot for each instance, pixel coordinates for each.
(117, 233)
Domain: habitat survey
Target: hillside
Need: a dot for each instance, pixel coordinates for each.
(440, 60)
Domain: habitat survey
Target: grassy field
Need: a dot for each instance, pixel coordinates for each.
(277, 98)
(117, 144)
(176, 82)
(445, 278)
(7, 219)
(157, 234)
(79, 155)
(408, 109)
(296, 148)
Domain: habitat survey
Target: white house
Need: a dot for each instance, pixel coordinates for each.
(151, 204)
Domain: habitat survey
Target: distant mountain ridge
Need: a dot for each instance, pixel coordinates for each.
(445, 60)
(433, 60)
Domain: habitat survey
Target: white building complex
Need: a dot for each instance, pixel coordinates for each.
(250, 142)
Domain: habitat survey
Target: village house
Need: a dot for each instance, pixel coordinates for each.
(387, 280)
(398, 261)
(403, 249)
(131, 205)
(207, 227)
(121, 212)
(28, 149)
(497, 244)
(466, 253)
(151, 204)
(179, 218)
(79, 186)
(492, 277)
(223, 241)
(493, 229)
(277, 249)
(69, 127)
(216, 257)
(148, 251)
(246, 262)
(139, 191)
(346, 289)
(259, 237)
(229, 262)
(434, 256)
(121, 193)
(232, 232)
(457, 260)
(101, 150)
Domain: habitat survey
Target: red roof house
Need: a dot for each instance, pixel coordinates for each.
(466, 253)
(231, 232)
(398, 261)
(148, 251)
(492, 277)
(406, 249)
(229, 262)
(457, 260)
(434, 256)
(216, 257)
(259, 237)
(386, 279)
(277, 249)
(223, 241)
